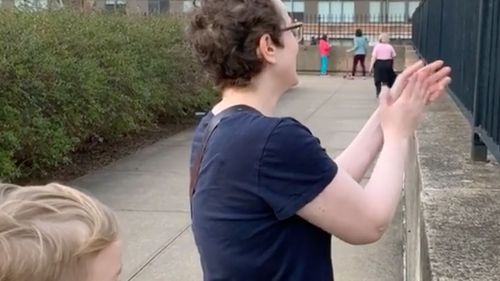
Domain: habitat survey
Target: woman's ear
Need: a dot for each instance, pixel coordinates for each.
(266, 49)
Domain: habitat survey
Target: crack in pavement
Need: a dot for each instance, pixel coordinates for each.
(157, 253)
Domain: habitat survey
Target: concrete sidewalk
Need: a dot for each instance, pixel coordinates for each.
(149, 191)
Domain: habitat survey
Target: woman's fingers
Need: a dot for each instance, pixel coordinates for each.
(410, 88)
(429, 78)
(438, 75)
(432, 82)
(418, 67)
(412, 69)
(421, 87)
(438, 90)
(402, 78)
(432, 67)
(436, 78)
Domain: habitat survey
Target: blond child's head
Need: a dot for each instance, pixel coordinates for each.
(56, 233)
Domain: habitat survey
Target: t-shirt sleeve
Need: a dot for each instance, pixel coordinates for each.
(393, 52)
(293, 169)
(375, 50)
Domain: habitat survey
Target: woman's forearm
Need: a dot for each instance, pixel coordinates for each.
(386, 182)
(358, 156)
(372, 62)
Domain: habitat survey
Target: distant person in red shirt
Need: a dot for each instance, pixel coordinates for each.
(324, 52)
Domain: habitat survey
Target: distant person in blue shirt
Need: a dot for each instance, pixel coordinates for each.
(360, 49)
(267, 197)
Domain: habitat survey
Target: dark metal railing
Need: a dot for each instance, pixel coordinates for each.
(344, 27)
(466, 35)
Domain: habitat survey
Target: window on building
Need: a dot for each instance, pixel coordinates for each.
(187, 5)
(397, 11)
(153, 6)
(323, 10)
(295, 9)
(31, 4)
(158, 6)
(412, 7)
(336, 11)
(118, 6)
(116, 2)
(375, 11)
(348, 11)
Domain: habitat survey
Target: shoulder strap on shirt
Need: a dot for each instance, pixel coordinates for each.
(212, 125)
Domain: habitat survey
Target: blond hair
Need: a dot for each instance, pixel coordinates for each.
(384, 38)
(49, 233)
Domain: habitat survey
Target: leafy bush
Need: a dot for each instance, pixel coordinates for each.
(69, 77)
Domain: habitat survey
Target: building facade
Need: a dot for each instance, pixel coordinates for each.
(343, 10)
(324, 10)
(349, 11)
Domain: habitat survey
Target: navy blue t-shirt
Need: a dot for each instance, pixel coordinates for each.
(257, 172)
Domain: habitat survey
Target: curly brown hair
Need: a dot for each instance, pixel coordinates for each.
(224, 35)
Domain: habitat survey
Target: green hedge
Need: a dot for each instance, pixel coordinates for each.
(67, 77)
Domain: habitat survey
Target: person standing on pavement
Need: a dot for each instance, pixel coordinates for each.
(360, 48)
(324, 53)
(265, 196)
(313, 41)
(382, 63)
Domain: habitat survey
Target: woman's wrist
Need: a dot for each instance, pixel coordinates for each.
(396, 140)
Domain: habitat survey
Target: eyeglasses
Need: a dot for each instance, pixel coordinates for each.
(296, 29)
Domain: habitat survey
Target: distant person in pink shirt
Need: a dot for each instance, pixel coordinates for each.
(324, 52)
(382, 63)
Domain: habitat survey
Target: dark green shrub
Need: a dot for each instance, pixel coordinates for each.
(67, 77)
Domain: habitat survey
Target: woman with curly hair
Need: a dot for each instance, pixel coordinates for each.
(265, 196)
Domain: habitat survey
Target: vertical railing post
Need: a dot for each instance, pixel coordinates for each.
(441, 25)
(319, 26)
(479, 152)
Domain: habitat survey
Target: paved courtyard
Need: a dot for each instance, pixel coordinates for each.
(149, 191)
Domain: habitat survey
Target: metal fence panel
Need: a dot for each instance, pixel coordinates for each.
(452, 30)
(341, 27)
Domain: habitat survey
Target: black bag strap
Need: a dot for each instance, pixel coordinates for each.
(212, 125)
